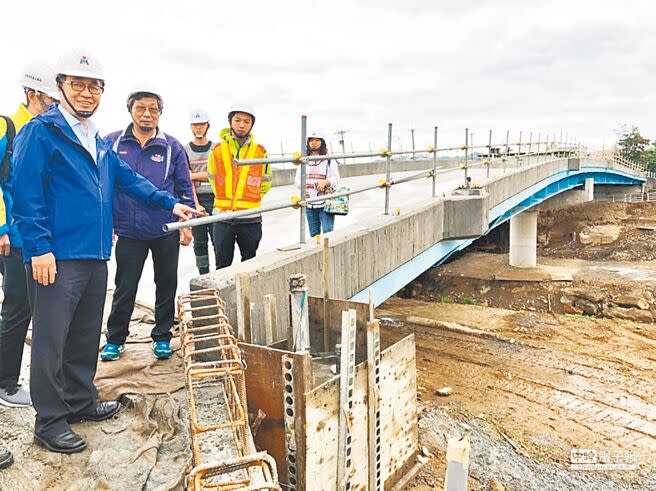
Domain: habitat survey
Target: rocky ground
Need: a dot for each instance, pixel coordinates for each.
(541, 362)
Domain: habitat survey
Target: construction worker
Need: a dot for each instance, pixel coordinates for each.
(198, 150)
(65, 176)
(237, 187)
(38, 83)
(321, 177)
(161, 159)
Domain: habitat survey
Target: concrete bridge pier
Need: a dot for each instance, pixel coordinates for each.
(524, 240)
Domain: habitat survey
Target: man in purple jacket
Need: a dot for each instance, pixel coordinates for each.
(161, 159)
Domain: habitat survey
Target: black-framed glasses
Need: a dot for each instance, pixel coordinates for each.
(77, 86)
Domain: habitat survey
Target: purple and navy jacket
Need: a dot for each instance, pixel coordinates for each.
(163, 162)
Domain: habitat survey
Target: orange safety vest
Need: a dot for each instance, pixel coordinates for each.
(237, 187)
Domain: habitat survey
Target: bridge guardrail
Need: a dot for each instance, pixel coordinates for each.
(553, 148)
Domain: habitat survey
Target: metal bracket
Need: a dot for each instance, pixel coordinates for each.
(290, 425)
(346, 392)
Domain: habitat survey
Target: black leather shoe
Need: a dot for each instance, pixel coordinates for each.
(67, 442)
(6, 459)
(102, 411)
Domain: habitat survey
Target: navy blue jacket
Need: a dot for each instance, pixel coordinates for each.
(162, 161)
(62, 198)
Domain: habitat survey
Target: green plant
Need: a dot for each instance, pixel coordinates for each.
(468, 301)
(446, 299)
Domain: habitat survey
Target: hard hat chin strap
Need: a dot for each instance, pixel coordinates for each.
(80, 114)
(44, 106)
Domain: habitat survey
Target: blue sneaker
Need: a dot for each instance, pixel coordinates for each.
(162, 350)
(112, 352)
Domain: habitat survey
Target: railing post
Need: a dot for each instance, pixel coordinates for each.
(388, 168)
(505, 161)
(519, 149)
(530, 143)
(466, 155)
(434, 160)
(303, 176)
(560, 142)
(537, 152)
(489, 154)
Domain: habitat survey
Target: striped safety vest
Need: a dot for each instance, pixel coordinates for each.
(238, 187)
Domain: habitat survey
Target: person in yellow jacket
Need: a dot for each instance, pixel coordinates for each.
(237, 187)
(40, 92)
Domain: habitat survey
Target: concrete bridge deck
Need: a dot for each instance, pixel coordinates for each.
(371, 250)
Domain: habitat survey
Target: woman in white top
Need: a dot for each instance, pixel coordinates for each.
(321, 177)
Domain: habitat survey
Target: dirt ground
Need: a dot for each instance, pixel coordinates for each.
(530, 381)
(529, 387)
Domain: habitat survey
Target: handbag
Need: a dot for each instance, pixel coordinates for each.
(339, 205)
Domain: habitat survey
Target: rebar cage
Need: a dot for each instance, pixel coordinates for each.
(214, 376)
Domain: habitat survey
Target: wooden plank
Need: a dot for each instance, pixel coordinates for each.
(244, 308)
(398, 413)
(326, 293)
(264, 385)
(270, 320)
(335, 308)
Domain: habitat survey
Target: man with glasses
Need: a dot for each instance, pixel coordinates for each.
(161, 159)
(64, 184)
(38, 82)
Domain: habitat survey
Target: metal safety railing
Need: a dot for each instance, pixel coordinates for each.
(628, 197)
(205, 333)
(501, 155)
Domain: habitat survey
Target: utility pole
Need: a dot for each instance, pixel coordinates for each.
(341, 134)
(412, 133)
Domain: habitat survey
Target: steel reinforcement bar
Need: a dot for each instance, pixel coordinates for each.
(206, 332)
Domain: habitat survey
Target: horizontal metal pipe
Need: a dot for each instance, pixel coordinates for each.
(221, 217)
(314, 158)
(414, 177)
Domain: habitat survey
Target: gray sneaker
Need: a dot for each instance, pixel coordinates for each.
(15, 397)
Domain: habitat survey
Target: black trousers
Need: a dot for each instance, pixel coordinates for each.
(202, 234)
(131, 255)
(66, 321)
(246, 235)
(15, 317)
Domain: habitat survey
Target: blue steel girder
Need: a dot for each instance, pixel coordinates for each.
(558, 183)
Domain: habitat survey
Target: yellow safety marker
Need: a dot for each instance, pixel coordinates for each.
(385, 152)
(463, 165)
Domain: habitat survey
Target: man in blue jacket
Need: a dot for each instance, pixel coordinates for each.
(161, 159)
(38, 82)
(63, 190)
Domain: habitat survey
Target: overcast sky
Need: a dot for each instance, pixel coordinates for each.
(582, 67)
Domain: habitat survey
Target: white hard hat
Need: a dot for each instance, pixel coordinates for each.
(241, 108)
(79, 64)
(199, 116)
(41, 78)
(316, 134)
(144, 90)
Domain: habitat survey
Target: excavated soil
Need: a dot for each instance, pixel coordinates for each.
(541, 361)
(528, 388)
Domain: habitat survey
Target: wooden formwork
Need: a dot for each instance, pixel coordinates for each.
(315, 405)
